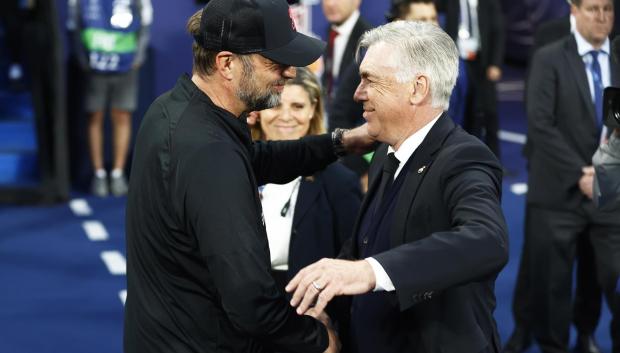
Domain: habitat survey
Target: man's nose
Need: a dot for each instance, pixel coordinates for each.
(360, 93)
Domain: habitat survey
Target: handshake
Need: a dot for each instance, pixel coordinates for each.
(317, 284)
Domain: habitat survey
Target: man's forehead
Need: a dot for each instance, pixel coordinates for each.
(379, 56)
(585, 3)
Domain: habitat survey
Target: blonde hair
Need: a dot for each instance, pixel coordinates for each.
(310, 84)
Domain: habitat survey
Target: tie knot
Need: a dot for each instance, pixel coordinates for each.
(391, 164)
(333, 34)
(594, 54)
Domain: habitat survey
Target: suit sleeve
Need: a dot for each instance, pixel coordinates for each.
(221, 210)
(541, 101)
(476, 245)
(281, 161)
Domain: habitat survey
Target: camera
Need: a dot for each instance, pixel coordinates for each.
(611, 107)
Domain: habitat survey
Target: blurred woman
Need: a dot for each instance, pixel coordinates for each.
(312, 216)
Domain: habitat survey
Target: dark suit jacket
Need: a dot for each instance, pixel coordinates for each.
(347, 113)
(325, 212)
(547, 33)
(491, 25)
(448, 242)
(562, 130)
(343, 111)
(348, 57)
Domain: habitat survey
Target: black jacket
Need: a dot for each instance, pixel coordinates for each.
(448, 242)
(198, 270)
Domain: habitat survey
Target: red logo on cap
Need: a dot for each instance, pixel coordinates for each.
(290, 14)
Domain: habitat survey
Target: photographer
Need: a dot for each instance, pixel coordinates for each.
(606, 162)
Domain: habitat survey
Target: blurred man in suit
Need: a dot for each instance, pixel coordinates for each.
(477, 27)
(588, 295)
(346, 28)
(564, 109)
(431, 236)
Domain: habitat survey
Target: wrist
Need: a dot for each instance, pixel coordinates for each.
(338, 141)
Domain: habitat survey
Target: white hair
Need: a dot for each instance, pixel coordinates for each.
(421, 48)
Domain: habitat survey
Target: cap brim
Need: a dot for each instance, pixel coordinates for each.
(301, 51)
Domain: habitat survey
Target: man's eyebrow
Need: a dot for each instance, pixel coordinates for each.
(365, 73)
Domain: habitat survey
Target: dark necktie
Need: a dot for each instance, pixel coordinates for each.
(597, 80)
(329, 63)
(387, 178)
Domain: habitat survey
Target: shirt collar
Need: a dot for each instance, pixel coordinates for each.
(412, 142)
(347, 26)
(583, 47)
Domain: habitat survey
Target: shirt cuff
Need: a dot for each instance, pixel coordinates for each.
(382, 280)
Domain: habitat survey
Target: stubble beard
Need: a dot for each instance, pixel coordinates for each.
(252, 96)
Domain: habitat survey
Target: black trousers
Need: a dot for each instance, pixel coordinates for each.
(481, 106)
(587, 301)
(551, 258)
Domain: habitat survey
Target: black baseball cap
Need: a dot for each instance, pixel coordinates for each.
(263, 27)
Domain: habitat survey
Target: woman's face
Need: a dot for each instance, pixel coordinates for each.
(291, 119)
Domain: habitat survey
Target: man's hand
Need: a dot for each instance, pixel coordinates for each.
(334, 341)
(327, 278)
(494, 73)
(253, 118)
(586, 181)
(357, 141)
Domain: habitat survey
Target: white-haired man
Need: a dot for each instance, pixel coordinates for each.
(431, 238)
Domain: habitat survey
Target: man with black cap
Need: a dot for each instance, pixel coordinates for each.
(198, 271)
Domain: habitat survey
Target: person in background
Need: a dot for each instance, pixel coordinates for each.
(477, 27)
(426, 11)
(110, 39)
(346, 28)
(588, 296)
(565, 110)
(312, 216)
(606, 183)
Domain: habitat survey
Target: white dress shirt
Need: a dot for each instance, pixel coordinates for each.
(273, 199)
(405, 151)
(583, 48)
(340, 42)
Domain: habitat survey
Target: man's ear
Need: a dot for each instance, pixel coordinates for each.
(225, 64)
(420, 90)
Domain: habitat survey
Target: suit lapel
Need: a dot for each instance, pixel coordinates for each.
(418, 168)
(309, 190)
(581, 79)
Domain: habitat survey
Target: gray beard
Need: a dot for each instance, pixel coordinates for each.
(255, 102)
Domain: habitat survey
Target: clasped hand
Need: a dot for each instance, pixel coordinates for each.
(319, 283)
